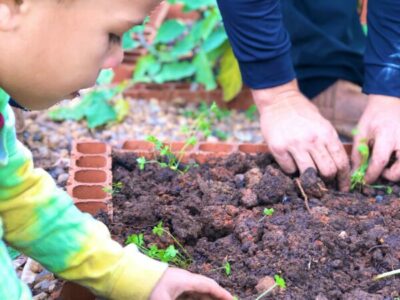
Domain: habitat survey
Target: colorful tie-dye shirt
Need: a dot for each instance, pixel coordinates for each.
(41, 221)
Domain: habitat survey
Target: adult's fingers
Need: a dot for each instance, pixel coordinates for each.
(393, 173)
(284, 159)
(341, 160)
(382, 150)
(206, 286)
(323, 160)
(303, 159)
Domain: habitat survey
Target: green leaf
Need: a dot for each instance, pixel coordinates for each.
(106, 77)
(215, 40)
(137, 239)
(122, 109)
(100, 112)
(159, 229)
(142, 162)
(280, 281)
(268, 211)
(128, 43)
(170, 253)
(227, 268)
(230, 77)
(175, 72)
(184, 46)
(204, 71)
(169, 31)
(191, 5)
(147, 66)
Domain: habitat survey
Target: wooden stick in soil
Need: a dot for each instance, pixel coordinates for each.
(387, 274)
(303, 194)
(266, 292)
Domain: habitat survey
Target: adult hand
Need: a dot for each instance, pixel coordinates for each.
(180, 284)
(380, 127)
(298, 136)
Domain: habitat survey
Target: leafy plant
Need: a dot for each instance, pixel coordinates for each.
(208, 116)
(202, 125)
(358, 176)
(168, 255)
(197, 51)
(101, 105)
(251, 112)
(226, 267)
(279, 282)
(114, 189)
(268, 211)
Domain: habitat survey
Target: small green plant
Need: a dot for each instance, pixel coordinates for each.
(226, 267)
(170, 159)
(358, 176)
(279, 282)
(169, 255)
(114, 189)
(197, 52)
(267, 212)
(206, 116)
(251, 112)
(201, 126)
(102, 105)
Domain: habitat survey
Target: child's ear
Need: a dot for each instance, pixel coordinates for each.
(10, 11)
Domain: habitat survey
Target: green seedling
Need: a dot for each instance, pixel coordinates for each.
(169, 255)
(227, 268)
(159, 231)
(114, 189)
(358, 177)
(387, 274)
(279, 282)
(204, 118)
(251, 112)
(267, 212)
(201, 125)
(171, 160)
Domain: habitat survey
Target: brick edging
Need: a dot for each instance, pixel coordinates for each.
(90, 172)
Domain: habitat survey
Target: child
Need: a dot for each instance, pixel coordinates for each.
(49, 49)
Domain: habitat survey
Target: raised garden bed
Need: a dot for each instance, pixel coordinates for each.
(324, 243)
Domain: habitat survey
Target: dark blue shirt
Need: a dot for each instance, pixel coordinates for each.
(262, 44)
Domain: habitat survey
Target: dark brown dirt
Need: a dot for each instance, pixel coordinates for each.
(332, 251)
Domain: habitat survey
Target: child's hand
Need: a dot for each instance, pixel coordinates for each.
(181, 284)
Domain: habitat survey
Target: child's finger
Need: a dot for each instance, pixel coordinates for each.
(207, 286)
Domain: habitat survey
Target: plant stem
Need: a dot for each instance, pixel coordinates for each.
(387, 274)
(179, 244)
(266, 292)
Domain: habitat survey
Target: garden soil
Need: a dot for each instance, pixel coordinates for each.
(326, 244)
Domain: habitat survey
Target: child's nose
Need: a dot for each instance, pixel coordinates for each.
(114, 58)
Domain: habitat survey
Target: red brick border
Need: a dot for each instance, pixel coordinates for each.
(89, 174)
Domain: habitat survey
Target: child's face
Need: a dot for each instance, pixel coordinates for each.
(51, 49)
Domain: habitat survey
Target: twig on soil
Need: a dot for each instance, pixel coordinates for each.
(303, 194)
(387, 274)
(376, 247)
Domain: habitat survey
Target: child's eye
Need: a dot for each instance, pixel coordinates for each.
(114, 38)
